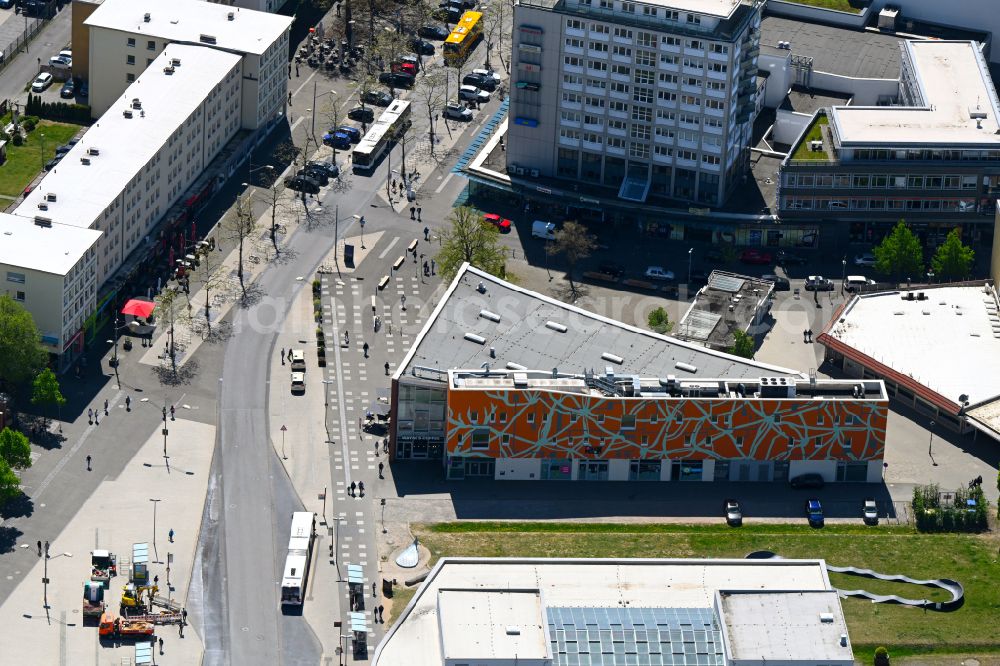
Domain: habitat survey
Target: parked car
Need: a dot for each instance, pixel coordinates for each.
(543, 230)
(350, 131)
(498, 221)
(807, 481)
(814, 513)
(473, 94)
(433, 31)
(422, 46)
(301, 183)
(52, 163)
(404, 67)
(818, 283)
(396, 79)
(84, 91)
(734, 512)
(362, 114)
(755, 256)
(784, 258)
(480, 81)
(658, 273)
(857, 282)
(864, 259)
(869, 512)
(68, 89)
(60, 62)
(319, 175)
(66, 53)
(614, 270)
(6, 4)
(488, 74)
(457, 112)
(337, 139)
(377, 97)
(41, 82)
(713, 254)
(331, 170)
(780, 283)
(298, 382)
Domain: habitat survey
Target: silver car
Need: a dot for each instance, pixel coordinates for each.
(457, 112)
(473, 94)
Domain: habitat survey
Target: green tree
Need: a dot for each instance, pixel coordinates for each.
(469, 239)
(45, 389)
(15, 449)
(899, 254)
(574, 242)
(10, 484)
(659, 321)
(743, 344)
(953, 259)
(21, 351)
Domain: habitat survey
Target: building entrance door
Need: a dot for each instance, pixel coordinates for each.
(593, 470)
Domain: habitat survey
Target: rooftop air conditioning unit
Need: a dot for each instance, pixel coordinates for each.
(519, 171)
(175, 62)
(169, 69)
(42, 205)
(534, 173)
(43, 221)
(816, 146)
(136, 104)
(84, 160)
(146, 17)
(93, 151)
(231, 16)
(51, 196)
(127, 113)
(207, 39)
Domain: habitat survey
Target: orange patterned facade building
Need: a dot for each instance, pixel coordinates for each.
(529, 425)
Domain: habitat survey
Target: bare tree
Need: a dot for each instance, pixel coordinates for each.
(574, 242)
(238, 228)
(276, 203)
(210, 277)
(493, 29)
(168, 314)
(431, 91)
(331, 116)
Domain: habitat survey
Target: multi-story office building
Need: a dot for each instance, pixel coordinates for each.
(654, 100)
(509, 384)
(126, 36)
(932, 159)
(50, 270)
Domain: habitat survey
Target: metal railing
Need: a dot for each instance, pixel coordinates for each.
(31, 28)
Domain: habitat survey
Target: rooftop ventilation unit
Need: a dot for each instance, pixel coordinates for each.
(84, 160)
(520, 379)
(555, 326)
(169, 69)
(127, 113)
(42, 205)
(136, 103)
(515, 366)
(608, 356)
(826, 617)
(687, 367)
(93, 151)
(481, 288)
(478, 339)
(231, 16)
(43, 221)
(51, 196)
(176, 62)
(146, 17)
(207, 39)
(492, 316)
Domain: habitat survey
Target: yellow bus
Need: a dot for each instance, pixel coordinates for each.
(463, 38)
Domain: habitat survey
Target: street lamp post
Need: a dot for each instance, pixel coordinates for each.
(165, 456)
(312, 111)
(930, 444)
(843, 274)
(42, 154)
(326, 408)
(361, 223)
(155, 502)
(690, 254)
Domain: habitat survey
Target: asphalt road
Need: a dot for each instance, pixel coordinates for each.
(24, 67)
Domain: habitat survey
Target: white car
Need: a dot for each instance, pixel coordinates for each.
(457, 112)
(60, 62)
(658, 273)
(41, 82)
(489, 74)
(66, 53)
(473, 94)
(866, 259)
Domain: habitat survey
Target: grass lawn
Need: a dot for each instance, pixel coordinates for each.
(815, 133)
(25, 161)
(970, 559)
(841, 5)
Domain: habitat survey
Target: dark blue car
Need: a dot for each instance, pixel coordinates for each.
(350, 131)
(338, 140)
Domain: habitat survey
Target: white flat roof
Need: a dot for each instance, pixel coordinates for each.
(948, 342)
(589, 583)
(492, 624)
(54, 249)
(187, 20)
(126, 145)
(785, 627)
(719, 8)
(954, 82)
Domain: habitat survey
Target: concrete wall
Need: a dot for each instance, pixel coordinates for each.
(828, 468)
(866, 92)
(618, 470)
(779, 79)
(875, 471)
(978, 15)
(708, 470)
(789, 125)
(818, 14)
(80, 36)
(517, 469)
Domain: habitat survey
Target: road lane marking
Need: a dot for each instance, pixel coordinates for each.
(389, 247)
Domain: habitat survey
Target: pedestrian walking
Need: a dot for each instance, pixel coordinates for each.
(289, 98)
(427, 233)
(374, 596)
(387, 368)
(96, 419)
(289, 70)
(381, 466)
(170, 535)
(361, 488)
(296, 70)
(282, 356)
(128, 404)
(418, 213)
(90, 416)
(364, 348)
(413, 213)
(433, 266)
(385, 445)
(88, 463)
(171, 412)
(289, 354)
(156, 580)
(381, 617)
(353, 488)
(161, 645)
(39, 548)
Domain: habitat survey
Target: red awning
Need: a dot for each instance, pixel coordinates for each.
(139, 308)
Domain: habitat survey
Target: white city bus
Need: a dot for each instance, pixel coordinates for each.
(393, 122)
(300, 545)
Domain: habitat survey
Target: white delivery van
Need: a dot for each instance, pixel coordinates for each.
(298, 382)
(298, 360)
(855, 282)
(543, 230)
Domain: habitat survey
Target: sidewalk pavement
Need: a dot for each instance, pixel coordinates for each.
(122, 505)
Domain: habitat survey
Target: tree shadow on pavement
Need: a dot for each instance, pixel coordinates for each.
(182, 375)
(8, 539)
(20, 506)
(253, 295)
(287, 255)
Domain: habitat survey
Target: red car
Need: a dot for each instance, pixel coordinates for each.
(501, 223)
(405, 67)
(756, 257)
